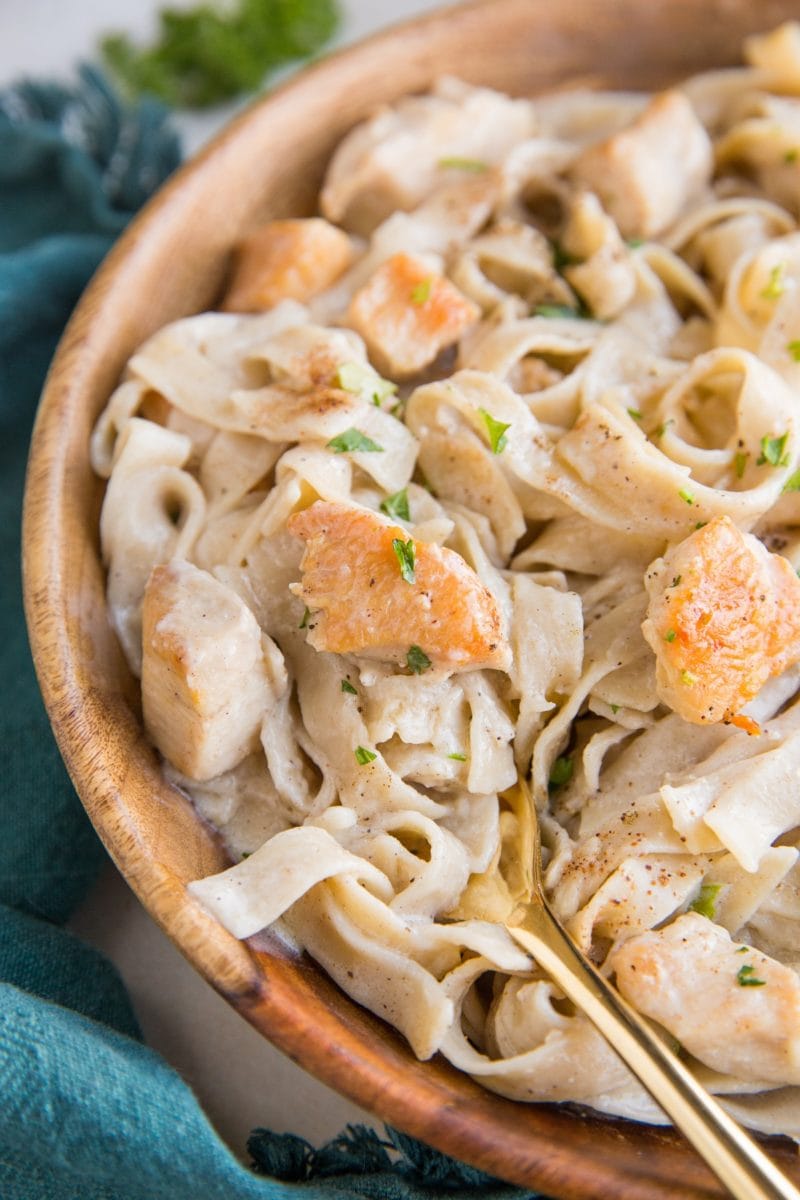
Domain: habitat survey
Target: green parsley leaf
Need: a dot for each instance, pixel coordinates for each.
(348, 687)
(458, 757)
(405, 556)
(209, 53)
(793, 348)
(634, 243)
(454, 162)
(705, 903)
(364, 756)
(556, 310)
(686, 495)
(792, 483)
(662, 429)
(306, 617)
(417, 660)
(361, 380)
(396, 505)
(634, 412)
(422, 292)
(676, 580)
(615, 708)
(775, 286)
(688, 678)
(745, 977)
(497, 432)
(739, 463)
(561, 771)
(773, 451)
(352, 440)
(670, 635)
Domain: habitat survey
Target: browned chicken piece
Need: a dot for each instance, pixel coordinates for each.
(723, 617)
(406, 314)
(286, 260)
(205, 686)
(646, 174)
(373, 591)
(741, 1014)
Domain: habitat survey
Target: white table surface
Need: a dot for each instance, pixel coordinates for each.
(240, 1079)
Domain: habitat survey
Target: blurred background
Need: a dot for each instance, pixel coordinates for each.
(241, 1081)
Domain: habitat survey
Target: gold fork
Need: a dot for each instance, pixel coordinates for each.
(734, 1157)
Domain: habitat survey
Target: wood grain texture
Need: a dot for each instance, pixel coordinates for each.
(170, 263)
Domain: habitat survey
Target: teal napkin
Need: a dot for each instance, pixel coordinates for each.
(88, 1111)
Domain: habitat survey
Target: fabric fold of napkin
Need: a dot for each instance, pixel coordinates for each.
(88, 1111)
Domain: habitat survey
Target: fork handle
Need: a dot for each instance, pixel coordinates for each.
(734, 1157)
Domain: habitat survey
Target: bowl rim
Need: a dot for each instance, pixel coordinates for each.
(552, 1151)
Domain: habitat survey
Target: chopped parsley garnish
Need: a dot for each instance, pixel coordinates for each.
(686, 495)
(746, 977)
(792, 483)
(396, 505)
(688, 678)
(561, 771)
(406, 557)
(773, 451)
(670, 635)
(793, 348)
(417, 660)
(496, 430)
(421, 293)
(348, 687)
(352, 440)
(739, 463)
(306, 618)
(455, 162)
(364, 756)
(663, 427)
(556, 310)
(676, 580)
(361, 380)
(458, 757)
(705, 903)
(211, 52)
(634, 243)
(615, 709)
(634, 412)
(775, 286)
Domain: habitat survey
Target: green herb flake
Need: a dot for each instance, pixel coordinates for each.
(634, 412)
(615, 709)
(686, 495)
(676, 580)
(406, 557)
(688, 678)
(396, 506)
(739, 463)
(421, 293)
(208, 53)
(793, 349)
(746, 977)
(361, 380)
(743, 950)
(556, 310)
(306, 618)
(700, 524)
(670, 635)
(792, 483)
(775, 286)
(454, 162)
(773, 451)
(458, 757)
(634, 243)
(561, 257)
(663, 427)
(497, 431)
(364, 756)
(561, 771)
(417, 660)
(791, 156)
(705, 903)
(353, 440)
(348, 687)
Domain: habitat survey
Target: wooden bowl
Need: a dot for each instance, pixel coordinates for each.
(170, 263)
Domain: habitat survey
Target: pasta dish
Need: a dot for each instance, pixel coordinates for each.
(477, 503)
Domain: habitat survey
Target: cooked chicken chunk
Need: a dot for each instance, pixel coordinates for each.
(723, 617)
(406, 314)
(374, 591)
(286, 260)
(732, 1007)
(205, 686)
(646, 174)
